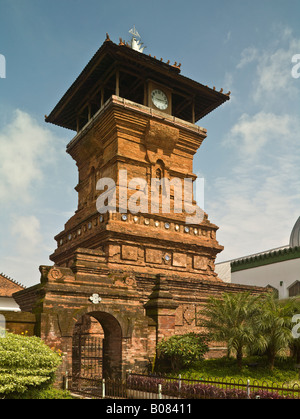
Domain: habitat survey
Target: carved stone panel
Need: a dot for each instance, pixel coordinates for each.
(179, 259)
(129, 252)
(201, 262)
(153, 256)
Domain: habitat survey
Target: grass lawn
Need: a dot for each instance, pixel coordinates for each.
(254, 368)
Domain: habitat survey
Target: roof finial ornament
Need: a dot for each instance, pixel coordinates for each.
(136, 44)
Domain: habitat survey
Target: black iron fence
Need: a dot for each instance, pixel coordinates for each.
(139, 386)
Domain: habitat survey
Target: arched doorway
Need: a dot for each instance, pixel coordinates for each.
(97, 346)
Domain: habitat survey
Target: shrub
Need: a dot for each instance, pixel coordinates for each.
(25, 363)
(181, 351)
(48, 393)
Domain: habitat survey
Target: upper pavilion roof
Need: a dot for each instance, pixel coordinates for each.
(134, 68)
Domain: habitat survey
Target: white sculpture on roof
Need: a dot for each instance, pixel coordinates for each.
(136, 44)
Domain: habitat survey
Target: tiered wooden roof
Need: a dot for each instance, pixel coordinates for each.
(97, 82)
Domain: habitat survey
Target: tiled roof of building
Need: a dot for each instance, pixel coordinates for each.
(8, 286)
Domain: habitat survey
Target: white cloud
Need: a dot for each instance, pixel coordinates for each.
(25, 148)
(248, 55)
(275, 81)
(27, 234)
(252, 133)
(228, 37)
(274, 75)
(33, 183)
(27, 246)
(256, 201)
(256, 205)
(270, 75)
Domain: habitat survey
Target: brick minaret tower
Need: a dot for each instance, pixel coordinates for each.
(135, 117)
(139, 275)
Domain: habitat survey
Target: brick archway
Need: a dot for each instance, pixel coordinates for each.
(97, 345)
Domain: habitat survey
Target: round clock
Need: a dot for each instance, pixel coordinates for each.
(159, 99)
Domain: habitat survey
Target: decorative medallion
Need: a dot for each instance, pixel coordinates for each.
(55, 274)
(95, 298)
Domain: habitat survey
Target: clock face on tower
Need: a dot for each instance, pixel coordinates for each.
(159, 99)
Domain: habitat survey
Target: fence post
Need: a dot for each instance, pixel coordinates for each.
(159, 391)
(248, 389)
(179, 383)
(103, 388)
(66, 381)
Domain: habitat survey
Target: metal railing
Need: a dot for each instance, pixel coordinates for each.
(140, 386)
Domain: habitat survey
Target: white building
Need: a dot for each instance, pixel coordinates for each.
(278, 268)
(7, 287)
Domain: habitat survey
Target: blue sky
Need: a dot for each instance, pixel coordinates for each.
(250, 160)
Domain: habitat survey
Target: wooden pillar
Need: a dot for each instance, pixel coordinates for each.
(117, 83)
(193, 112)
(145, 94)
(102, 97)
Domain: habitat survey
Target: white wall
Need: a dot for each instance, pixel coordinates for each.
(224, 271)
(287, 271)
(8, 304)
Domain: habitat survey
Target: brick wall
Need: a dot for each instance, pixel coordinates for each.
(20, 322)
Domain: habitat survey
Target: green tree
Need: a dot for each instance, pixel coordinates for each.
(273, 326)
(230, 320)
(25, 363)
